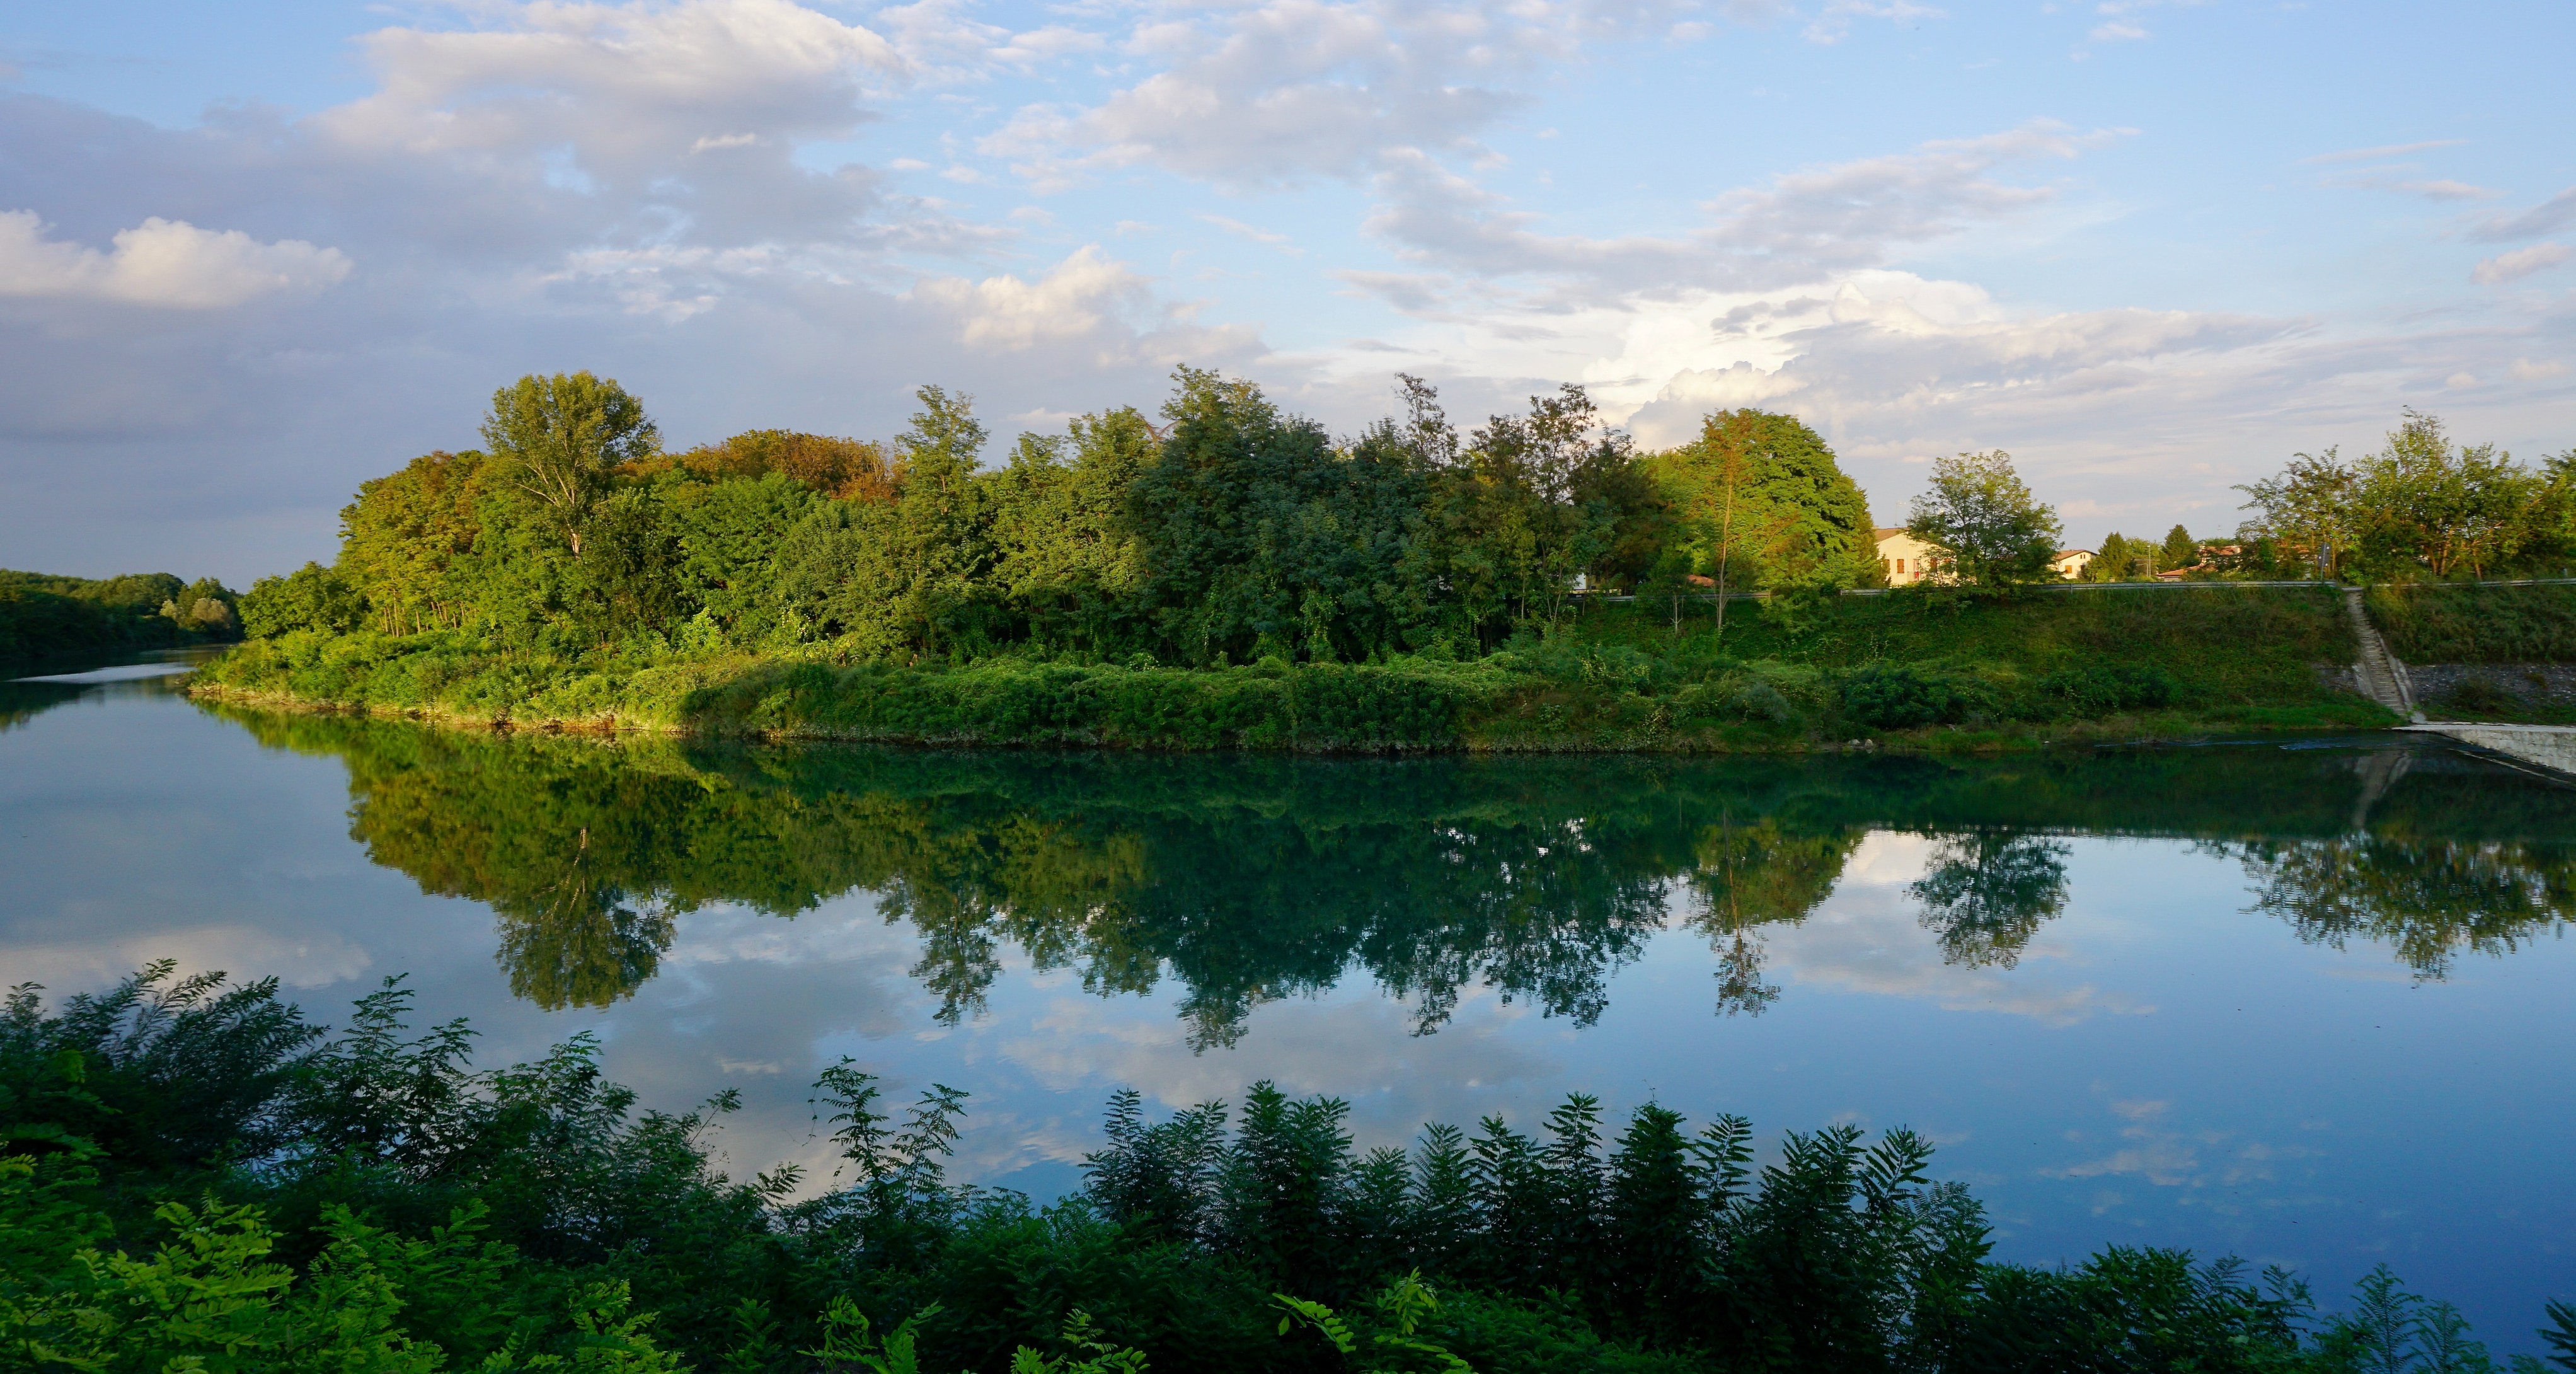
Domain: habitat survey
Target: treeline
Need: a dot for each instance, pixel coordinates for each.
(43, 616)
(1229, 532)
(2421, 506)
(198, 1178)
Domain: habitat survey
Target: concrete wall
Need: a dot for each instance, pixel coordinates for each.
(2547, 746)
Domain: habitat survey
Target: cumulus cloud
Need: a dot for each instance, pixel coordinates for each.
(1089, 298)
(167, 263)
(686, 116)
(2520, 263)
(1279, 92)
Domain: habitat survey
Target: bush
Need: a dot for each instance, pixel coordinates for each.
(1900, 696)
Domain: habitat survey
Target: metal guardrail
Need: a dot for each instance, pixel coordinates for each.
(1704, 598)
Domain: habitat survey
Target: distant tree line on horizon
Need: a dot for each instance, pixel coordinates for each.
(43, 616)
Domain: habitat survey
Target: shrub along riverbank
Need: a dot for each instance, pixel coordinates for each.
(199, 1178)
(1920, 667)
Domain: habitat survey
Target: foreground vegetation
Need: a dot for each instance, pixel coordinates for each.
(200, 1179)
(44, 617)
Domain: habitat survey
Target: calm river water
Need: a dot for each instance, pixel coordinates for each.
(2306, 1004)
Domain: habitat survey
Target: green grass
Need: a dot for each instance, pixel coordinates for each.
(1931, 670)
(2430, 622)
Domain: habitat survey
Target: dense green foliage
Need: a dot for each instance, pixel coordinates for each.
(1233, 533)
(64, 617)
(199, 1178)
(1983, 524)
(1794, 669)
(2422, 505)
(1231, 578)
(1760, 498)
(1247, 879)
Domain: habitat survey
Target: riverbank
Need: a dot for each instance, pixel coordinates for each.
(1921, 669)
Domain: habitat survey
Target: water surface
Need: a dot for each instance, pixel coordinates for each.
(2306, 1004)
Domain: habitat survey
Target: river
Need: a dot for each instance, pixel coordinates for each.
(2306, 1003)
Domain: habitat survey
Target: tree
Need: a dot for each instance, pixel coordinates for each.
(939, 542)
(2445, 506)
(560, 439)
(1987, 527)
(848, 469)
(2180, 550)
(407, 541)
(2114, 561)
(2308, 509)
(1807, 522)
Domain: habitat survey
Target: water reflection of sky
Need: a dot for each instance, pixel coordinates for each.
(2156, 1066)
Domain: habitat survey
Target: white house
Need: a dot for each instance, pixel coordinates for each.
(1906, 559)
(2071, 563)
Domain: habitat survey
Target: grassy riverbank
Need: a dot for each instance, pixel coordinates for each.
(1917, 668)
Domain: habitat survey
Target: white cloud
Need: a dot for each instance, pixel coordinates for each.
(161, 262)
(1833, 23)
(1087, 299)
(2525, 370)
(2520, 263)
(1255, 233)
(1801, 227)
(650, 117)
(2547, 217)
(2384, 151)
(1279, 92)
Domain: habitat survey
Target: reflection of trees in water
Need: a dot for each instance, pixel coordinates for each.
(2425, 899)
(1745, 875)
(1986, 893)
(577, 942)
(1251, 880)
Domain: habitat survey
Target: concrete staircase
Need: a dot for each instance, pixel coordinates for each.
(2378, 671)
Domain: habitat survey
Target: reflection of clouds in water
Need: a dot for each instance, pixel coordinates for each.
(1868, 937)
(750, 1001)
(297, 959)
(1357, 1047)
(2168, 1155)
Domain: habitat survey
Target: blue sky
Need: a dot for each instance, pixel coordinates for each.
(251, 256)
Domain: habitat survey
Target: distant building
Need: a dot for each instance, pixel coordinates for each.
(1906, 559)
(2071, 563)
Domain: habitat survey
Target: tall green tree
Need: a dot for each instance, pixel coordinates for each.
(1796, 518)
(560, 439)
(1067, 563)
(2448, 507)
(939, 539)
(2180, 549)
(1532, 502)
(1989, 528)
(2309, 510)
(1261, 537)
(407, 543)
